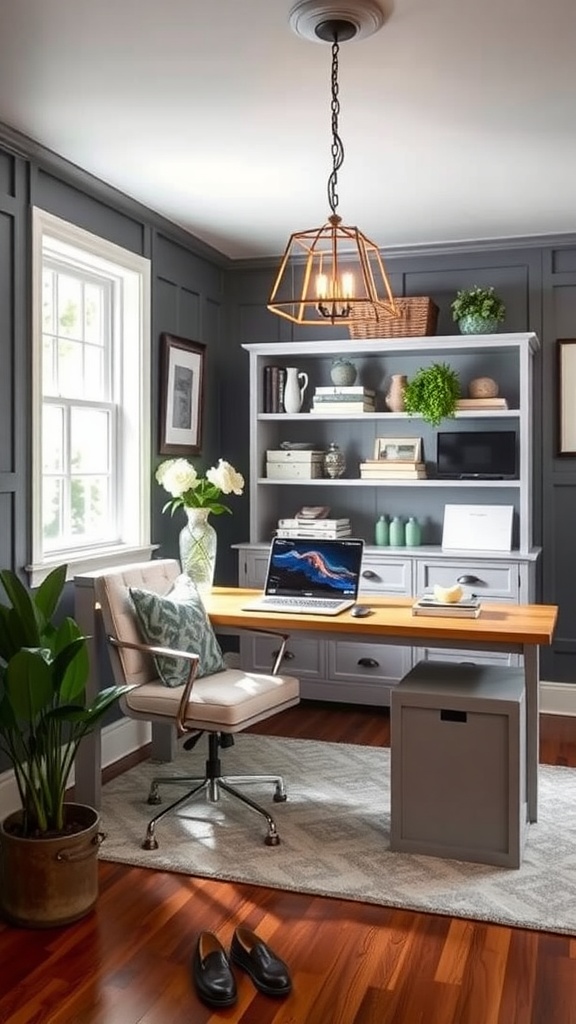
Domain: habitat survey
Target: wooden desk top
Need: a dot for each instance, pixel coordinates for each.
(497, 622)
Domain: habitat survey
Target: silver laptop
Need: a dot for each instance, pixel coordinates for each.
(312, 576)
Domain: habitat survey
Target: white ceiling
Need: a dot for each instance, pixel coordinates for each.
(458, 117)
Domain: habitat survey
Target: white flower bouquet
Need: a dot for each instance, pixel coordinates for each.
(189, 490)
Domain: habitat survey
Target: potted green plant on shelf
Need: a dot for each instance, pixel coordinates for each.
(48, 848)
(432, 393)
(478, 310)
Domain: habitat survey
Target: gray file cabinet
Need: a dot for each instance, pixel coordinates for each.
(458, 763)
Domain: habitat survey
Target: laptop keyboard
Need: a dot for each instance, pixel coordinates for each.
(300, 602)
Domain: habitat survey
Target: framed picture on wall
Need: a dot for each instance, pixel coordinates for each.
(181, 396)
(566, 396)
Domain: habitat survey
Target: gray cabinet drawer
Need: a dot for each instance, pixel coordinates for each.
(476, 657)
(381, 575)
(303, 657)
(490, 579)
(350, 661)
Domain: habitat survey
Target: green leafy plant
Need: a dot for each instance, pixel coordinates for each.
(478, 302)
(433, 393)
(43, 711)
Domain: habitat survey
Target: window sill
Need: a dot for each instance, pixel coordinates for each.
(79, 563)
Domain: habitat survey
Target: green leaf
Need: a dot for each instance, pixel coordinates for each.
(70, 670)
(25, 614)
(28, 683)
(49, 592)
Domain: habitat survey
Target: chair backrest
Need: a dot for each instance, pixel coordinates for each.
(119, 618)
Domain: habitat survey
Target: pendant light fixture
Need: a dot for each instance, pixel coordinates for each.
(328, 272)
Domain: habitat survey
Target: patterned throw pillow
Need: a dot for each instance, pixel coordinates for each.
(178, 620)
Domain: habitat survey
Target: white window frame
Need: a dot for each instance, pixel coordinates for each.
(133, 273)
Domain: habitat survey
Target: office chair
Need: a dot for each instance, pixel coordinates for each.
(220, 704)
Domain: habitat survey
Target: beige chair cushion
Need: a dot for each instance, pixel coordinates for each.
(229, 700)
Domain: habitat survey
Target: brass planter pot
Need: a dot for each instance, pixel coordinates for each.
(45, 883)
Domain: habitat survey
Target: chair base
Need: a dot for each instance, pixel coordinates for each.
(213, 782)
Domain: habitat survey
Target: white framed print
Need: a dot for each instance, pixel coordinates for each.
(398, 449)
(182, 396)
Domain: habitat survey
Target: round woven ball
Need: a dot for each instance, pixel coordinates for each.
(483, 387)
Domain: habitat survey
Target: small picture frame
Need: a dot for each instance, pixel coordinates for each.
(182, 395)
(398, 449)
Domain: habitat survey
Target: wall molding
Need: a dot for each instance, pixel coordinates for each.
(558, 699)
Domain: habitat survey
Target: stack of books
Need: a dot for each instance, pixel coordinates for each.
(467, 608)
(274, 383)
(345, 400)
(328, 529)
(463, 404)
(392, 469)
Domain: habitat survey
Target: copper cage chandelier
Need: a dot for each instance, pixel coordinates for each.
(328, 274)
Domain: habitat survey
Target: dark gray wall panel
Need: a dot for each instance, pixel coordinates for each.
(6, 530)
(564, 261)
(7, 174)
(189, 313)
(69, 203)
(175, 263)
(7, 345)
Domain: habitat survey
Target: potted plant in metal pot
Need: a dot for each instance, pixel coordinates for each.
(432, 393)
(48, 849)
(477, 310)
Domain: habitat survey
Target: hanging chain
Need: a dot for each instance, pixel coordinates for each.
(337, 149)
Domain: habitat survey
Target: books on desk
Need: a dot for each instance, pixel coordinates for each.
(467, 608)
(326, 529)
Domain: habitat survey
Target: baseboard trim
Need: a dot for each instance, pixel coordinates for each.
(558, 699)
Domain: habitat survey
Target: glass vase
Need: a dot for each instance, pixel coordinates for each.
(198, 542)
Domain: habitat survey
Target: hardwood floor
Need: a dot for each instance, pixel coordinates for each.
(351, 963)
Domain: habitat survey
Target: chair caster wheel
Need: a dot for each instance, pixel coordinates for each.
(150, 843)
(280, 798)
(154, 800)
(273, 840)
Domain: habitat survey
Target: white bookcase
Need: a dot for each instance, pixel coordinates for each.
(349, 672)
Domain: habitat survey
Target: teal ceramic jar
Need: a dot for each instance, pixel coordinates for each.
(396, 532)
(412, 533)
(381, 532)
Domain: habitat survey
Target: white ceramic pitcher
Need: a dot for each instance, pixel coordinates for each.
(294, 388)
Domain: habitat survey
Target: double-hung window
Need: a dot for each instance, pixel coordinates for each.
(91, 400)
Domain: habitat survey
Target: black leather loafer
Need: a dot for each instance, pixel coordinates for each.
(211, 972)
(268, 972)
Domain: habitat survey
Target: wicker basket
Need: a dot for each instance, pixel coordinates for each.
(417, 318)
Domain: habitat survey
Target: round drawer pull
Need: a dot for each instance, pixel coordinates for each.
(288, 655)
(368, 663)
(468, 579)
(368, 574)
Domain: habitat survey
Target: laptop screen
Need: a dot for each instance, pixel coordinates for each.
(314, 568)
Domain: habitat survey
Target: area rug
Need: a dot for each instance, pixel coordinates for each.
(334, 832)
